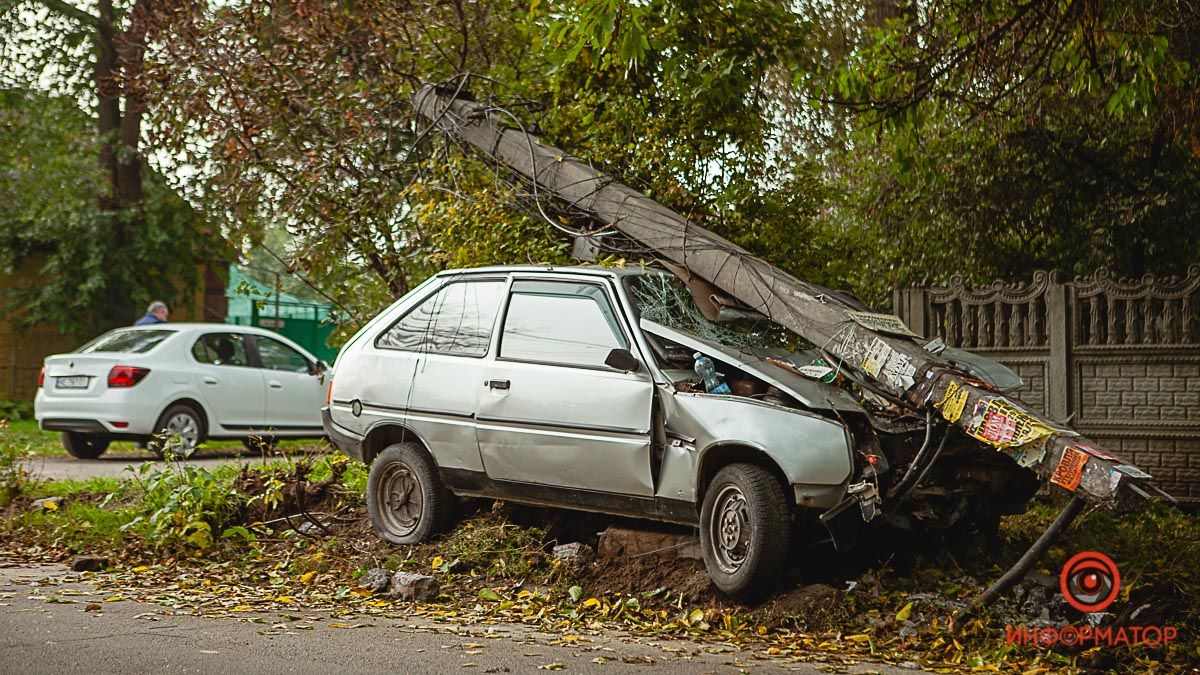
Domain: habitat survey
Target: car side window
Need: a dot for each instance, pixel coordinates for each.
(221, 349)
(457, 320)
(277, 356)
(560, 322)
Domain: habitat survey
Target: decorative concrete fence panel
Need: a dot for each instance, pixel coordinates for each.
(1119, 359)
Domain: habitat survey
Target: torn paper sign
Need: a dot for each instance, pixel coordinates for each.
(884, 363)
(1000, 423)
(953, 402)
(882, 323)
(1070, 468)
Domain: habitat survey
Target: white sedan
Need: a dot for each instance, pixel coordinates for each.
(184, 381)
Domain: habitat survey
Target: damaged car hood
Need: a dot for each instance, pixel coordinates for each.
(810, 393)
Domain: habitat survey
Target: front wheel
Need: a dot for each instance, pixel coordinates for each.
(84, 446)
(744, 531)
(406, 500)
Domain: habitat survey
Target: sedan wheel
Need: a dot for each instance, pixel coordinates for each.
(180, 429)
(84, 446)
(406, 500)
(744, 529)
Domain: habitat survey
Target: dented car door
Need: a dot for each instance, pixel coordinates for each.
(550, 411)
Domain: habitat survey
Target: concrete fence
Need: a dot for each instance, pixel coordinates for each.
(1118, 358)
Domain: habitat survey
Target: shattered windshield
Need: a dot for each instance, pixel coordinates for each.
(665, 299)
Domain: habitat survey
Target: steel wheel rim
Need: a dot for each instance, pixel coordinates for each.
(729, 529)
(184, 427)
(400, 499)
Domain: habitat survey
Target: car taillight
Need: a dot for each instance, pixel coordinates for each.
(126, 376)
(42, 377)
(329, 391)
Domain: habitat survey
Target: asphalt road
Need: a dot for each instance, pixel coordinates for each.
(46, 627)
(115, 465)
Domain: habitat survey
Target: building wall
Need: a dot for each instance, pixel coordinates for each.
(22, 351)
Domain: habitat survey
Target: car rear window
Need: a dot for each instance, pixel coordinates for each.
(127, 341)
(457, 320)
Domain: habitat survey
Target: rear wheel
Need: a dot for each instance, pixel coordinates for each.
(406, 500)
(180, 429)
(744, 530)
(84, 446)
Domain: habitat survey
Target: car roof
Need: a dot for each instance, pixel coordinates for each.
(197, 325)
(588, 270)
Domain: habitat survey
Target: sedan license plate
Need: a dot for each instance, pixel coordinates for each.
(72, 382)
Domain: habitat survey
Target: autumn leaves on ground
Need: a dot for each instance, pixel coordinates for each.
(233, 541)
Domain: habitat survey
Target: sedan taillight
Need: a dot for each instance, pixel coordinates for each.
(42, 377)
(126, 376)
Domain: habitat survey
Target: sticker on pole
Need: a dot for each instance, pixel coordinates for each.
(1070, 468)
(953, 402)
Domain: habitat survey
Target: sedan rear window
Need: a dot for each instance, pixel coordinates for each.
(126, 341)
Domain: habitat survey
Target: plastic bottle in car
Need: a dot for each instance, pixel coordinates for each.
(708, 371)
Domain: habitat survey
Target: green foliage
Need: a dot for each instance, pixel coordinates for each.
(50, 216)
(14, 411)
(15, 479)
(184, 507)
(996, 138)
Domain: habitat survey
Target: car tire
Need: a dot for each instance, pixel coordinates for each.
(84, 446)
(399, 474)
(745, 526)
(182, 420)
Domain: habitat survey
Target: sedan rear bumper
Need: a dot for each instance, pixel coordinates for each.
(77, 425)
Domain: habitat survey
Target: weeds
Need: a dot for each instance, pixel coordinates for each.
(15, 479)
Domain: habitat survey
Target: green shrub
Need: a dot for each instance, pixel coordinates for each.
(185, 508)
(15, 410)
(15, 479)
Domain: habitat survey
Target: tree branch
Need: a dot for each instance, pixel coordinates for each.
(72, 12)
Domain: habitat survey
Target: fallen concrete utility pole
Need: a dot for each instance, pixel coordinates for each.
(878, 348)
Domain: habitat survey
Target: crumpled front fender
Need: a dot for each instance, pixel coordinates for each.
(813, 452)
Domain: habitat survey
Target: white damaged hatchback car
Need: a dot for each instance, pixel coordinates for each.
(187, 381)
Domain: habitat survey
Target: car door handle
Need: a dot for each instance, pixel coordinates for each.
(274, 384)
(210, 380)
(497, 384)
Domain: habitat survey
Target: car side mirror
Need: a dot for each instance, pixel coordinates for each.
(318, 367)
(622, 359)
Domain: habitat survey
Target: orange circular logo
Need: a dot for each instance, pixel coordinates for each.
(1089, 581)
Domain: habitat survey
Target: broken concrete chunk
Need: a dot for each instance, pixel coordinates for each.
(414, 587)
(89, 563)
(617, 542)
(575, 553)
(375, 580)
(46, 504)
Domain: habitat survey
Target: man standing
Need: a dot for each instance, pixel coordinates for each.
(157, 312)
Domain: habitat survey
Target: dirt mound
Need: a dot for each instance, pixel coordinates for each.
(288, 495)
(632, 575)
(808, 607)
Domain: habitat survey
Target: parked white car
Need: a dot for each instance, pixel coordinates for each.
(188, 381)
